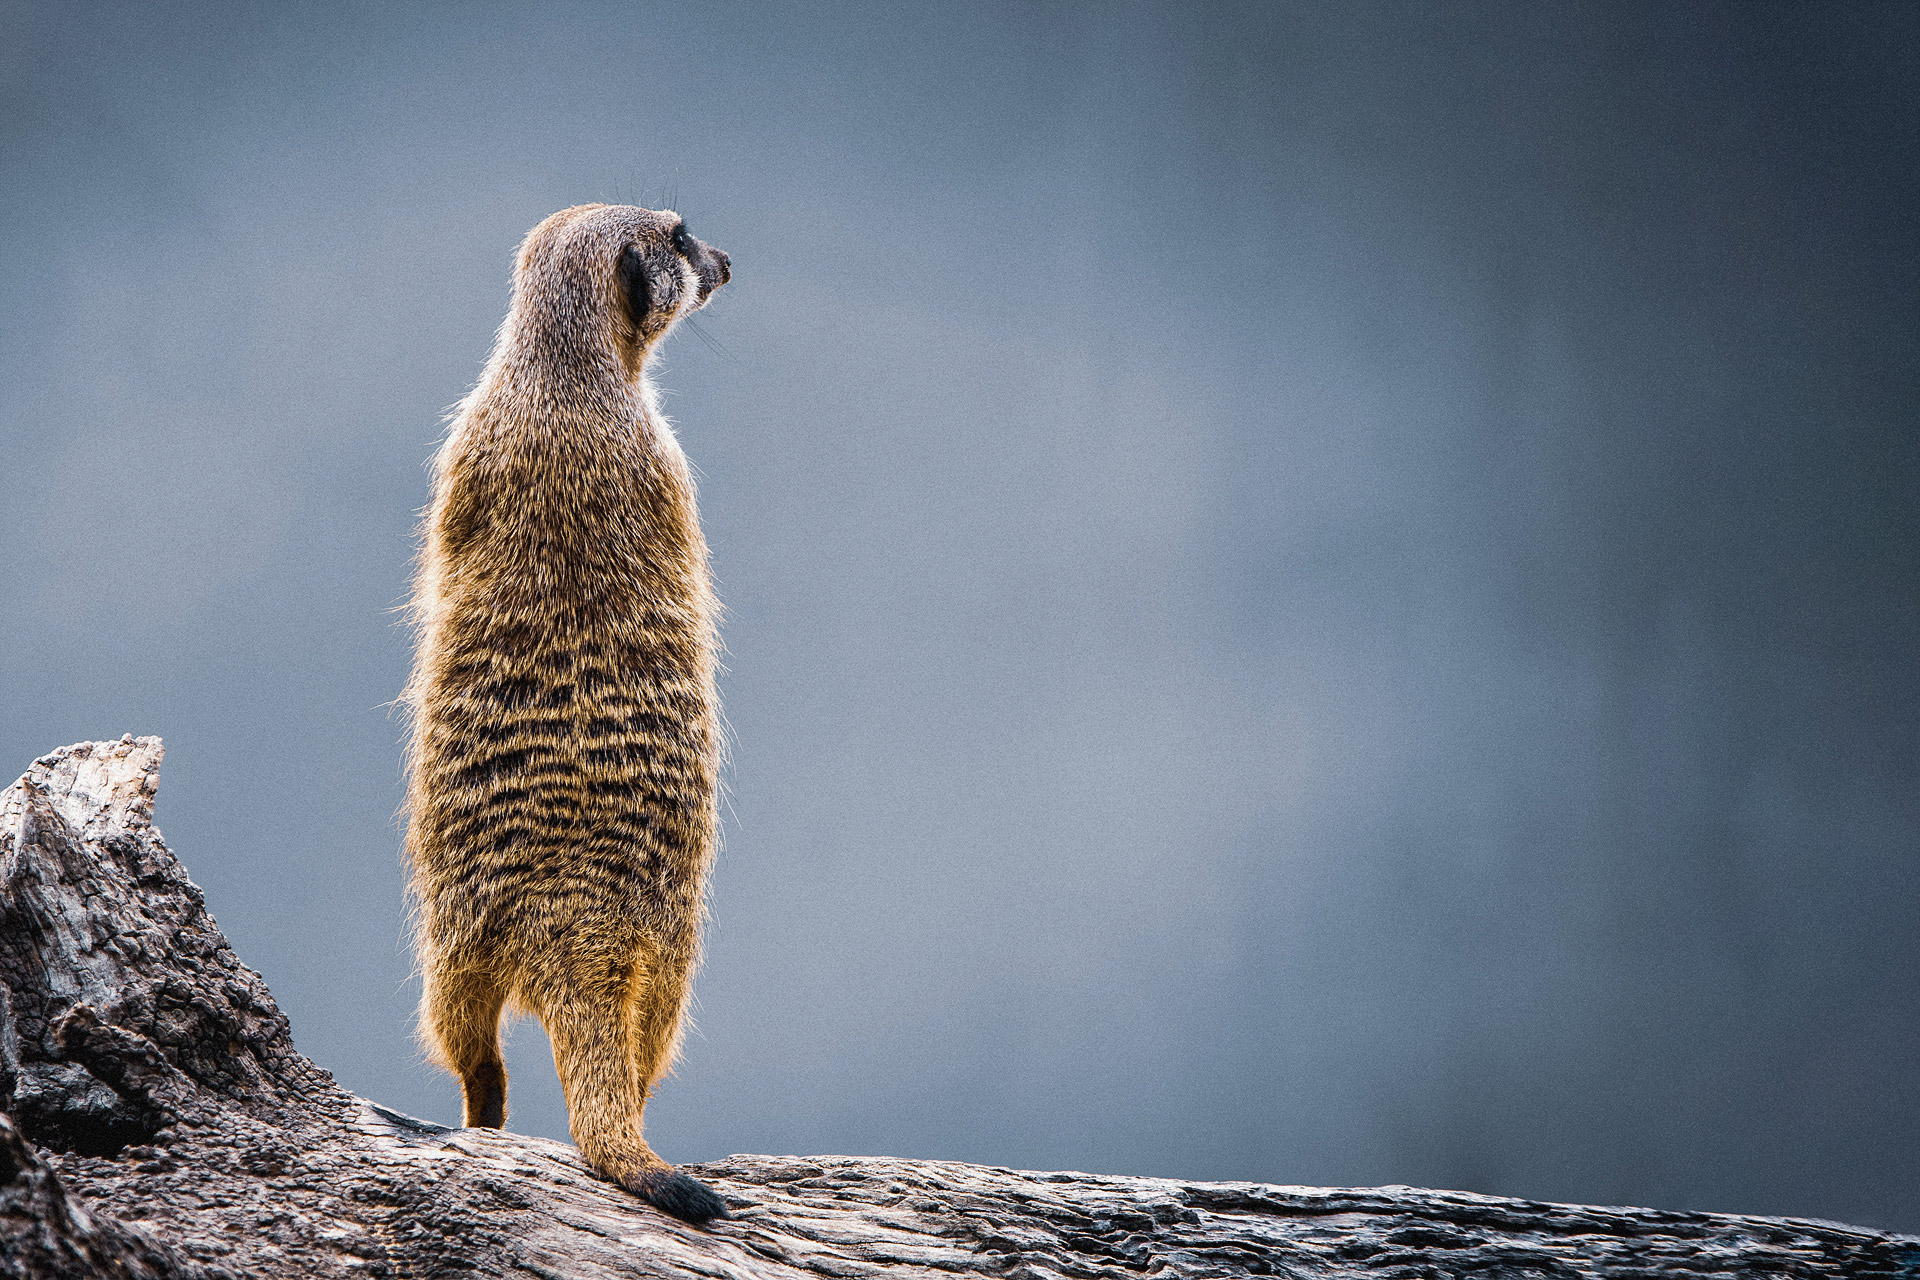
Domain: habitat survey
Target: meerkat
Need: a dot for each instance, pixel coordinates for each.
(565, 746)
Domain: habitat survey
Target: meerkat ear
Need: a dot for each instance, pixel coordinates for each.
(635, 287)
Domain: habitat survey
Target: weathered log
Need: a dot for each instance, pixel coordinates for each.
(164, 1125)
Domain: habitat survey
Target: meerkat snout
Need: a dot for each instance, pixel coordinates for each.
(712, 265)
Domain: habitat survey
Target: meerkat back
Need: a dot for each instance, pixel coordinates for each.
(564, 759)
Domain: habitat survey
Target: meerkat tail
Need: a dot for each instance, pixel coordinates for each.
(609, 1047)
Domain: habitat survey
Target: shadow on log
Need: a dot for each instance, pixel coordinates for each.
(159, 1122)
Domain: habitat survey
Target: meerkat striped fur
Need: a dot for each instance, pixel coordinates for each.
(565, 744)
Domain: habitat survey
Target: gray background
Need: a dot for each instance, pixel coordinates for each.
(1322, 594)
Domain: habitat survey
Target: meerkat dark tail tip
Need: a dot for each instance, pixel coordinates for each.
(679, 1194)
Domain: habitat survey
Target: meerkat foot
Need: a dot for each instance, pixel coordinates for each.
(677, 1193)
(492, 1111)
(486, 1098)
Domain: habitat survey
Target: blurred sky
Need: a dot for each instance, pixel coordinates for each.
(1325, 594)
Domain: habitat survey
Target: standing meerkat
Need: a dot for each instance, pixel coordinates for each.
(565, 751)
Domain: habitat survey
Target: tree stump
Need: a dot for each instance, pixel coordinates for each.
(159, 1123)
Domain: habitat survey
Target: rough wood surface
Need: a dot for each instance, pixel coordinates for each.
(162, 1124)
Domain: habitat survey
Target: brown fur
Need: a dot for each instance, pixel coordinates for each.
(565, 749)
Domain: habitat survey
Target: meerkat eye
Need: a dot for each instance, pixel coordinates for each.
(683, 241)
(635, 287)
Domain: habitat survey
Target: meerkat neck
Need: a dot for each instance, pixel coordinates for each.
(582, 382)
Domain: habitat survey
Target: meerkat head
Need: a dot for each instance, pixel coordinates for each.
(599, 275)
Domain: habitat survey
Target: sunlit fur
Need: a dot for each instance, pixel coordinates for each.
(565, 744)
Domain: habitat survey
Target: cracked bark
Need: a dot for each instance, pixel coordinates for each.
(163, 1125)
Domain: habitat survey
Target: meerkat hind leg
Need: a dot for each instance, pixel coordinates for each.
(483, 1093)
(460, 1012)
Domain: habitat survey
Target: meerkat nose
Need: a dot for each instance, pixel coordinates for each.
(726, 269)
